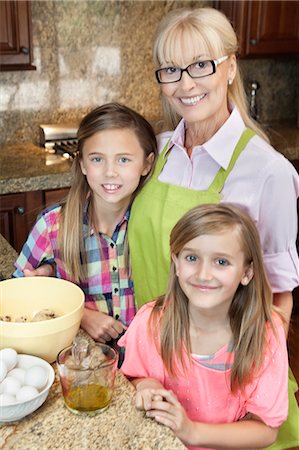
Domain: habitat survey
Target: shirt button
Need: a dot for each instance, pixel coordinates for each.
(111, 245)
(114, 268)
(115, 290)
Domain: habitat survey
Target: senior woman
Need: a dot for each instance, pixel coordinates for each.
(216, 153)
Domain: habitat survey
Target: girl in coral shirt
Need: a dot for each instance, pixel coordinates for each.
(209, 359)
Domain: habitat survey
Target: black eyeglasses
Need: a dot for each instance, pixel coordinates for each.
(198, 69)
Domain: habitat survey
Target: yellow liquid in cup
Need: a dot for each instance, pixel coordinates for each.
(88, 397)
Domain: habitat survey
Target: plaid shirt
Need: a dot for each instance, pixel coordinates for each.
(108, 287)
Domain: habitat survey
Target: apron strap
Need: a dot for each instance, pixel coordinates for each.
(161, 161)
(219, 180)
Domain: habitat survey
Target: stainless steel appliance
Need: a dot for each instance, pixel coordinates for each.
(60, 139)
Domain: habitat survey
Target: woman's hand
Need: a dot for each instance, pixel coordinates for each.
(145, 392)
(101, 327)
(167, 410)
(46, 270)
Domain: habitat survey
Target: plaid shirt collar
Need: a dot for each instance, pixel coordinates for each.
(88, 229)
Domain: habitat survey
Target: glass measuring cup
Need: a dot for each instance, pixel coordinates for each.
(87, 376)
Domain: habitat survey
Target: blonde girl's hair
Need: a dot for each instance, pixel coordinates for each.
(111, 116)
(200, 29)
(251, 307)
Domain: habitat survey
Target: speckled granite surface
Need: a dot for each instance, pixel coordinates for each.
(120, 427)
(86, 53)
(27, 167)
(7, 257)
(52, 426)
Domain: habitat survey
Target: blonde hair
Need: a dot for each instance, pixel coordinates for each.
(108, 116)
(200, 28)
(251, 307)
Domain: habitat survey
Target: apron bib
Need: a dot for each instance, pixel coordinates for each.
(155, 211)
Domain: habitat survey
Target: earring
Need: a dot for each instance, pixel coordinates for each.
(230, 82)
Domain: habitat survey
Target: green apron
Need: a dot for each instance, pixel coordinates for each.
(155, 211)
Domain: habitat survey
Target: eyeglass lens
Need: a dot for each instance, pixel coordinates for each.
(195, 70)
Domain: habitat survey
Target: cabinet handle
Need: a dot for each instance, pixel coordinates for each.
(25, 50)
(20, 210)
(253, 41)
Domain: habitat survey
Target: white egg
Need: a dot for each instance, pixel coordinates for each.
(9, 356)
(36, 376)
(26, 393)
(19, 374)
(6, 399)
(3, 370)
(10, 386)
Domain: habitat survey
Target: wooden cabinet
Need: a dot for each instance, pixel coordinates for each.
(55, 196)
(264, 28)
(15, 35)
(18, 213)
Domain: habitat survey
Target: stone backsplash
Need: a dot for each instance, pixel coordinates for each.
(91, 52)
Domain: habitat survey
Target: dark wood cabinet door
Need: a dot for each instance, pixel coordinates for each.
(55, 196)
(17, 215)
(15, 36)
(264, 28)
(13, 224)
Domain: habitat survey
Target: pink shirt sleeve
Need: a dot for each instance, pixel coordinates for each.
(268, 397)
(142, 359)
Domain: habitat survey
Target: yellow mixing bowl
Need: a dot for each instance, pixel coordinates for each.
(27, 296)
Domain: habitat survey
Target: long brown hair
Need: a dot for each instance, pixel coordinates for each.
(105, 117)
(205, 27)
(251, 307)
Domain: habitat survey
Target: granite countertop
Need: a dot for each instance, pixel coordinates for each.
(120, 426)
(52, 426)
(8, 255)
(27, 167)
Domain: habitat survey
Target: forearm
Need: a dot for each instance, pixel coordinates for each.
(145, 383)
(245, 434)
(284, 301)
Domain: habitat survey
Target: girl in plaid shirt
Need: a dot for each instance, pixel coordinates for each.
(84, 239)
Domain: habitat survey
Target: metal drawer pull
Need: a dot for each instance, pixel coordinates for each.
(20, 210)
(25, 50)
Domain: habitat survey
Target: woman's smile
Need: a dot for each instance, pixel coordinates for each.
(192, 100)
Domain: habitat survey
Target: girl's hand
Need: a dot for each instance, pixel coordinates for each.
(145, 393)
(170, 412)
(101, 327)
(46, 270)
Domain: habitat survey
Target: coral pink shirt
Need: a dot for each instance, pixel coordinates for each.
(205, 392)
